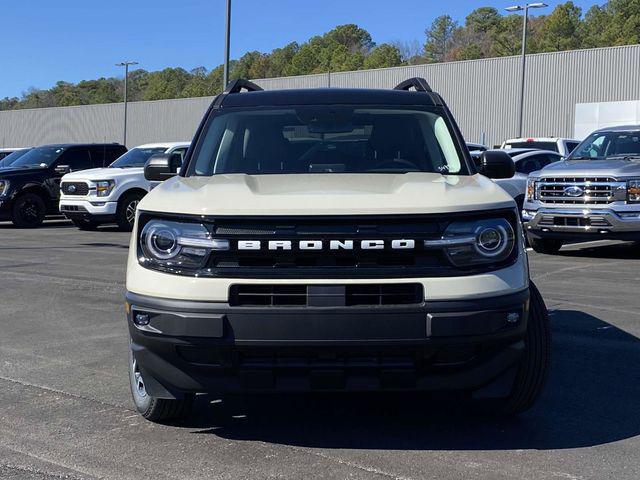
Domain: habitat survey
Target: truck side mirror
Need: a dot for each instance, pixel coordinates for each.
(496, 164)
(160, 167)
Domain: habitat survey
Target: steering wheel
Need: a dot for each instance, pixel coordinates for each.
(396, 164)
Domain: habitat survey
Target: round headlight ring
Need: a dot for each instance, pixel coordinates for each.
(161, 241)
(492, 240)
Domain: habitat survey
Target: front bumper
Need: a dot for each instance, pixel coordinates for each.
(100, 211)
(192, 346)
(585, 222)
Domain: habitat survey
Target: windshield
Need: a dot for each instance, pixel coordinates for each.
(12, 157)
(327, 139)
(41, 156)
(552, 146)
(136, 157)
(601, 145)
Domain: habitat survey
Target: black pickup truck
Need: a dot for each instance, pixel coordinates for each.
(30, 187)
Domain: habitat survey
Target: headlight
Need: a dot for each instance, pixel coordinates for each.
(175, 246)
(633, 191)
(4, 187)
(476, 242)
(104, 187)
(531, 189)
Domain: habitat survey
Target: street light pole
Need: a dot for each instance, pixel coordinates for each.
(225, 77)
(126, 77)
(525, 22)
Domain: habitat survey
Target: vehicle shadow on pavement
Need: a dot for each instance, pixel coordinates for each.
(619, 251)
(56, 223)
(592, 398)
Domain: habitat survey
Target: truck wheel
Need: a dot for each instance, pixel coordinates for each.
(152, 408)
(28, 211)
(126, 212)
(83, 224)
(534, 367)
(548, 246)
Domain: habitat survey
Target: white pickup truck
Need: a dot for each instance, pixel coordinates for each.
(111, 195)
(564, 146)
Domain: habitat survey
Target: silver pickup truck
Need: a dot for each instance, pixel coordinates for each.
(592, 195)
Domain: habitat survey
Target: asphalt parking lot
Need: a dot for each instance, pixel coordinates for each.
(65, 410)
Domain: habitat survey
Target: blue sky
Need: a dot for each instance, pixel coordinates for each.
(72, 40)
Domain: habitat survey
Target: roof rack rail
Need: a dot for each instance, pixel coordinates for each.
(420, 84)
(236, 85)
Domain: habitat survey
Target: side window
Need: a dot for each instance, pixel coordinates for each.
(547, 159)
(571, 146)
(76, 158)
(113, 153)
(181, 152)
(177, 157)
(530, 164)
(97, 156)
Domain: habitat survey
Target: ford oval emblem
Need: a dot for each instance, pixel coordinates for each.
(72, 188)
(573, 191)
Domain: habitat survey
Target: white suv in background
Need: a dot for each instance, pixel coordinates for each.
(564, 146)
(111, 195)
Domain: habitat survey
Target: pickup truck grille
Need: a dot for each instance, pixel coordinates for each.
(580, 190)
(74, 188)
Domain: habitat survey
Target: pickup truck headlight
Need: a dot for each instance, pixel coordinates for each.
(176, 246)
(104, 187)
(531, 189)
(633, 191)
(476, 242)
(4, 187)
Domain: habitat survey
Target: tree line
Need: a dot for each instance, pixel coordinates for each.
(485, 33)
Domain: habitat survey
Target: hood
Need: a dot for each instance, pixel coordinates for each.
(325, 194)
(103, 174)
(590, 168)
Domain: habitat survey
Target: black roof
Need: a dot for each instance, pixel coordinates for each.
(328, 96)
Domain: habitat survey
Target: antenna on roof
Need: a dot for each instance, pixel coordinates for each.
(420, 84)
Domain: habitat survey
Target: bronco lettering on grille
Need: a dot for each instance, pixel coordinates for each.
(399, 244)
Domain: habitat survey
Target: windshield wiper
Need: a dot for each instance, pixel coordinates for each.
(584, 158)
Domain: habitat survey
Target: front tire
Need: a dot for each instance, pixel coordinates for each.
(546, 246)
(28, 211)
(533, 369)
(152, 408)
(126, 212)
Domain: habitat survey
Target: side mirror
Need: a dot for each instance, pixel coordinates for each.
(161, 167)
(496, 164)
(63, 169)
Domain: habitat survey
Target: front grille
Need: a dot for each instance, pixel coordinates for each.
(326, 295)
(74, 188)
(72, 208)
(383, 261)
(594, 221)
(580, 190)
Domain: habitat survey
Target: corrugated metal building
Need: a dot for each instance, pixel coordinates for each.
(483, 95)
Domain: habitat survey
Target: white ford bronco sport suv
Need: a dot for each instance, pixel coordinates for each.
(110, 195)
(331, 239)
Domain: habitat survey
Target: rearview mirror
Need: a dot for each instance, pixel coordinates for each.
(496, 164)
(63, 169)
(161, 167)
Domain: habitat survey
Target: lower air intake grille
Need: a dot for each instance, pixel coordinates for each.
(326, 295)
